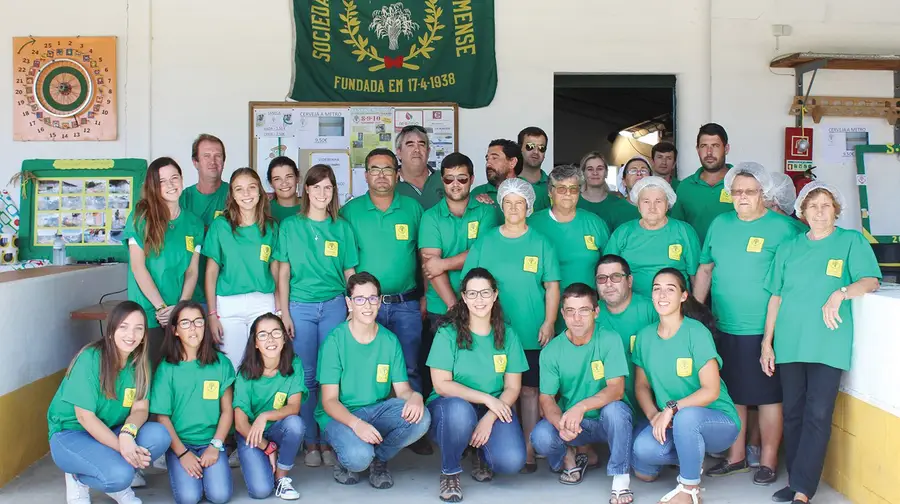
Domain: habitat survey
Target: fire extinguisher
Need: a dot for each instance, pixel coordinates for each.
(807, 177)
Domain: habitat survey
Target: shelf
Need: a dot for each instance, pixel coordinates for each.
(838, 61)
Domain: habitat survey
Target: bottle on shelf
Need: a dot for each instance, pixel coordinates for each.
(59, 251)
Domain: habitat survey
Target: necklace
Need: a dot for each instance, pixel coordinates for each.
(172, 220)
(311, 228)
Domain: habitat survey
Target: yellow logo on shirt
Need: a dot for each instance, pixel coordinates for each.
(189, 243)
(331, 248)
(473, 230)
(211, 390)
(499, 363)
(597, 370)
(725, 197)
(280, 400)
(589, 242)
(531, 264)
(755, 244)
(265, 252)
(675, 252)
(631, 343)
(217, 213)
(382, 373)
(684, 367)
(128, 400)
(401, 231)
(835, 268)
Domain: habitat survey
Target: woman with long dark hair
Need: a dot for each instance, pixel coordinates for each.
(284, 177)
(476, 364)
(268, 392)
(99, 433)
(679, 389)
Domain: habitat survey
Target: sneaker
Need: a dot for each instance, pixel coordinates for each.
(344, 476)
(76, 491)
(138, 481)
(753, 453)
(285, 490)
(481, 472)
(234, 460)
(450, 489)
(125, 497)
(329, 458)
(160, 464)
(421, 447)
(313, 458)
(379, 476)
(723, 468)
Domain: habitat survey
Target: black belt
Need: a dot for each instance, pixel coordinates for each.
(412, 295)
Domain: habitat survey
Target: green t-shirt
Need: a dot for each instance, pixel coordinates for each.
(387, 241)
(541, 192)
(521, 266)
(184, 236)
(482, 367)
(318, 253)
(577, 372)
(431, 193)
(805, 273)
(206, 207)
(243, 256)
(81, 387)
(674, 245)
(614, 210)
(742, 253)
(279, 213)
(675, 182)
(364, 374)
(698, 203)
(189, 395)
(255, 397)
(673, 366)
(453, 235)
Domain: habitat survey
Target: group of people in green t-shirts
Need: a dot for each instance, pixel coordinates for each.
(473, 320)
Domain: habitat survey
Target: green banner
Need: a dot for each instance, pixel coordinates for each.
(407, 51)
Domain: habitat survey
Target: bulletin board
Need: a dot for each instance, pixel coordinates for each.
(341, 134)
(878, 177)
(85, 200)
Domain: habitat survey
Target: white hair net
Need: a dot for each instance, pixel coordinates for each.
(620, 176)
(518, 187)
(649, 183)
(753, 169)
(783, 192)
(838, 197)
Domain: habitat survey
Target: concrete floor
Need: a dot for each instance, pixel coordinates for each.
(416, 480)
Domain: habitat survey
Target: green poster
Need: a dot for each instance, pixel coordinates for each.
(409, 51)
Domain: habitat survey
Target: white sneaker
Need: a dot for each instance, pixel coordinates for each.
(138, 481)
(76, 491)
(234, 460)
(285, 490)
(125, 497)
(160, 464)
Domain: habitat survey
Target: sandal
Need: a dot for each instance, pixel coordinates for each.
(694, 492)
(575, 475)
(621, 497)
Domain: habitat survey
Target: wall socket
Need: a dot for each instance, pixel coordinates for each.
(781, 30)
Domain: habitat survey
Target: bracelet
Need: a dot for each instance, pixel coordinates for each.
(129, 429)
(354, 423)
(184, 453)
(162, 307)
(214, 312)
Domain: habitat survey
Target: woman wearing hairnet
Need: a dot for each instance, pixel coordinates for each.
(737, 253)
(655, 241)
(524, 263)
(632, 171)
(809, 329)
(782, 197)
(579, 236)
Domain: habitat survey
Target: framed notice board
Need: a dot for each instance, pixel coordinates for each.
(341, 134)
(85, 200)
(878, 177)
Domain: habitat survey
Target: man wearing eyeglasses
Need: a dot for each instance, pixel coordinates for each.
(502, 161)
(533, 142)
(417, 180)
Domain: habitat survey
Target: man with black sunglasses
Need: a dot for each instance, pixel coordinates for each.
(417, 180)
(533, 142)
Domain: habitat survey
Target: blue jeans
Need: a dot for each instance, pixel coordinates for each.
(216, 483)
(694, 432)
(452, 422)
(405, 320)
(99, 466)
(312, 322)
(287, 433)
(396, 433)
(613, 426)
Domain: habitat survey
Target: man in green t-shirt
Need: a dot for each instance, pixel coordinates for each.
(533, 144)
(663, 158)
(585, 367)
(502, 161)
(417, 180)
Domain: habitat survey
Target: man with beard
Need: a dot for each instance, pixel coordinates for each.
(533, 143)
(417, 180)
(502, 161)
(663, 156)
(447, 231)
(702, 196)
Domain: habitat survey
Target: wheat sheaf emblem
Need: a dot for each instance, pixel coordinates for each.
(391, 22)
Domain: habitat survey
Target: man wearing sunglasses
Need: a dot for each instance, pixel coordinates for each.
(417, 180)
(533, 142)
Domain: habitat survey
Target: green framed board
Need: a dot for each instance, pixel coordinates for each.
(85, 200)
(862, 178)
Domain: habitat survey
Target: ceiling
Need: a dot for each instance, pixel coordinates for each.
(620, 107)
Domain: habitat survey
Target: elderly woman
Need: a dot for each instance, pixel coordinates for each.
(595, 196)
(810, 324)
(782, 197)
(737, 253)
(579, 236)
(632, 171)
(524, 263)
(655, 241)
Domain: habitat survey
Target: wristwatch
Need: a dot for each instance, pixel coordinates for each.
(844, 292)
(271, 448)
(217, 444)
(672, 405)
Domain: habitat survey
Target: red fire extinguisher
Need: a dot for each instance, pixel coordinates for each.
(807, 177)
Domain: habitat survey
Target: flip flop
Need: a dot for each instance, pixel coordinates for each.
(574, 475)
(617, 495)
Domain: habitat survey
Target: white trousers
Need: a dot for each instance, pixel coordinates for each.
(236, 314)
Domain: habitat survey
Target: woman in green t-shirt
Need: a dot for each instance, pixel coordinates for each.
(596, 198)
(163, 248)
(192, 398)
(268, 391)
(679, 389)
(810, 324)
(476, 364)
(241, 273)
(284, 177)
(99, 433)
(635, 169)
